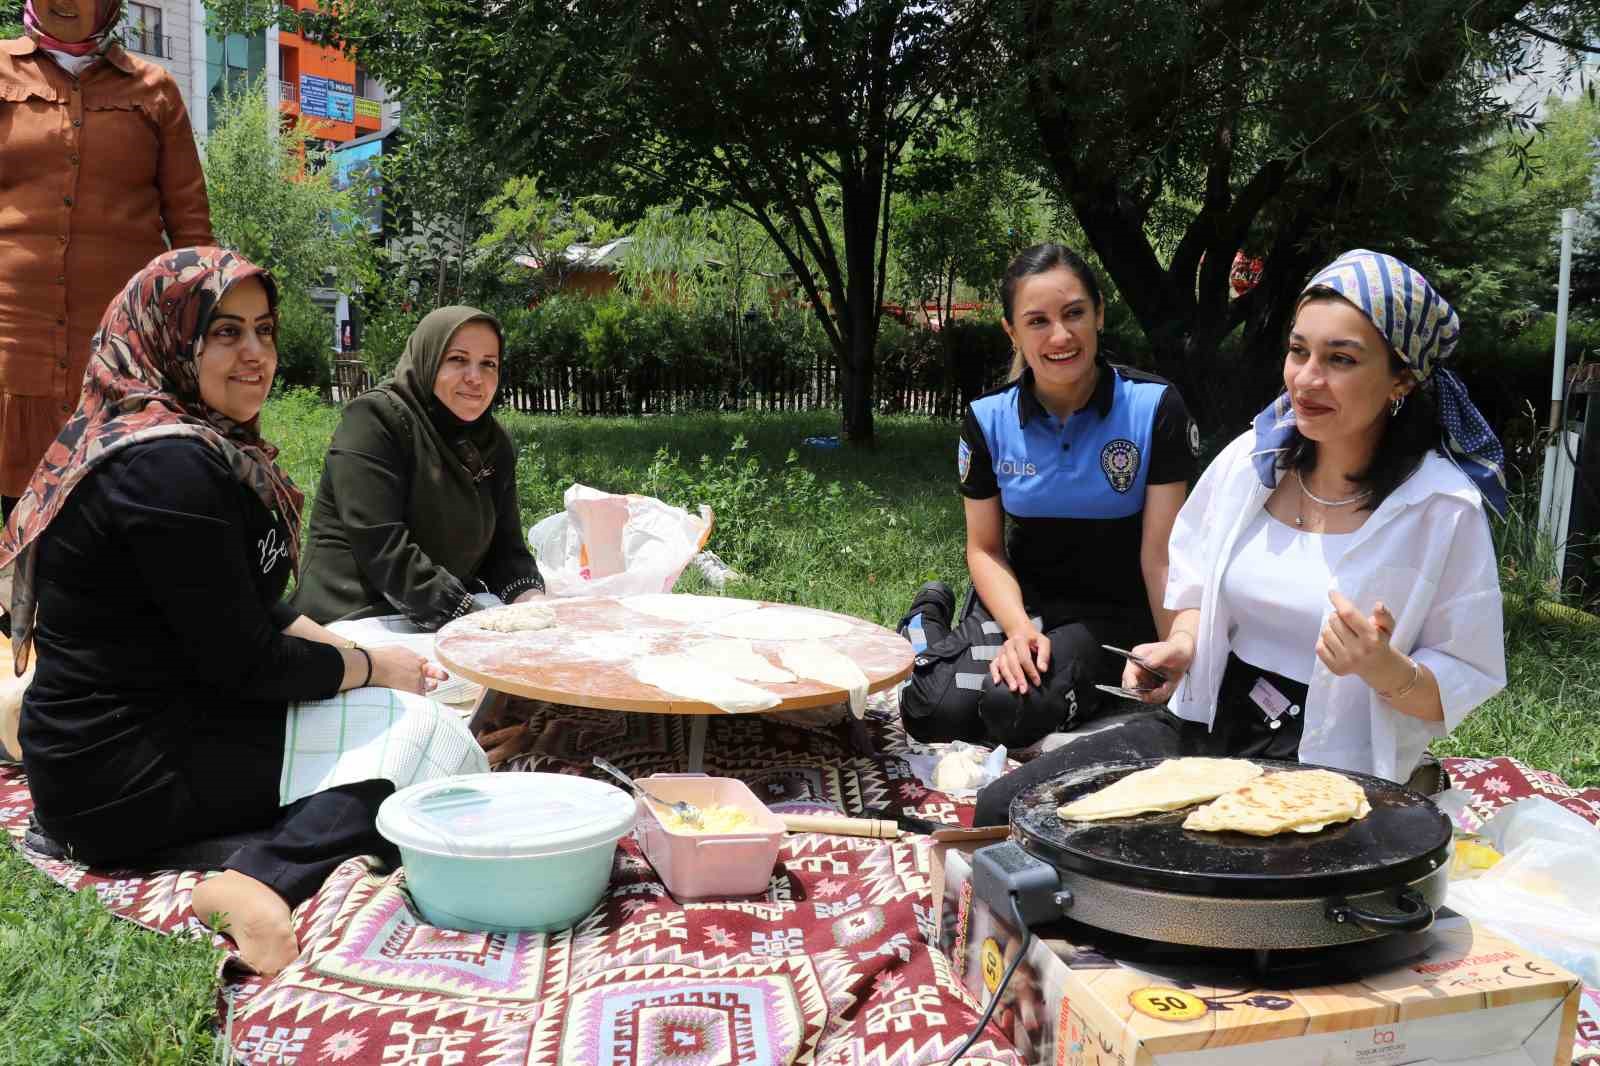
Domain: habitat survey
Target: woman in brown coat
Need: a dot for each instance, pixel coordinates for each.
(98, 174)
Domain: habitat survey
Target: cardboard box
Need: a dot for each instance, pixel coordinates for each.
(1472, 998)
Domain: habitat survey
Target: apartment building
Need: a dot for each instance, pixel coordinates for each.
(330, 91)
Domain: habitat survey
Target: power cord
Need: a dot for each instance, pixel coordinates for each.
(999, 989)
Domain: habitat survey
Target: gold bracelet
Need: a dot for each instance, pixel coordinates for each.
(1405, 690)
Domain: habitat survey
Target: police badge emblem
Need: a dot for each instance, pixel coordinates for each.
(963, 459)
(1119, 460)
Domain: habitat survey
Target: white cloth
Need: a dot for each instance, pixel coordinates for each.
(370, 733)
(1279, 621)
(1425, 552)
(74, 65)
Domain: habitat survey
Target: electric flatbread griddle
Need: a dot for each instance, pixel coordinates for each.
(1148, 877)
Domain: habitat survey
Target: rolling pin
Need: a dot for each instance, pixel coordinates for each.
(875, 828)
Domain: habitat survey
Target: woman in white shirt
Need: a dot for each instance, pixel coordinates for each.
(1336, 585)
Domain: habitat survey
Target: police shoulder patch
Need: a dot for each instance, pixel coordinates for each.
(1194, 438)
(1119, 461)
(963, 459)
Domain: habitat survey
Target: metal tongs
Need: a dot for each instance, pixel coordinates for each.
(687, 811)
(1134, 693)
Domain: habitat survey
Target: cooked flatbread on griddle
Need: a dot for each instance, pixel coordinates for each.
(1304, 801)
(1173, 784)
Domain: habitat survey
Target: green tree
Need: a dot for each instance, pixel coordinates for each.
(271, 201)
(1181, 131)
(526, 222)
(961, 216)
(1495, 249)
(10, 18)
(720, 260)
(436, 180)
(786, 110)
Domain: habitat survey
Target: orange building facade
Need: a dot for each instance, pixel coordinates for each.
(325, 87)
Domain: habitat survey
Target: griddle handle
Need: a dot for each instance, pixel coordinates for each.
(1419, 915)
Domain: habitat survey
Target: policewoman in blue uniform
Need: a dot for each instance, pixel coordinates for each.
(1088, 464)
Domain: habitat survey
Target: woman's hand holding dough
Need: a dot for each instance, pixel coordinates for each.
(1022, 658)
(400, 668)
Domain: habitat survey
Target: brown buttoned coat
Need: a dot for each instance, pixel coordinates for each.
(94, 170)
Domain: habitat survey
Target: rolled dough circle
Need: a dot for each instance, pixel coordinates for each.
(781, 623)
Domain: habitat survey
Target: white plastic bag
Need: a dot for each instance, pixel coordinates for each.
(605, 544)
(989, 764)
(1540, 895)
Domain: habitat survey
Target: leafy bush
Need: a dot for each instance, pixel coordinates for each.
(305, 338)
(1506, 377)
(383, 338)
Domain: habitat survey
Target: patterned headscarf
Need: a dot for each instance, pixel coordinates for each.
(99, 39)
(1423, 330)
(143, 383)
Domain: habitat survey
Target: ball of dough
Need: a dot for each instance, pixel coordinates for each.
(959, 769)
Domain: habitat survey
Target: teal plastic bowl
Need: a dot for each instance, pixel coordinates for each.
(507, 852)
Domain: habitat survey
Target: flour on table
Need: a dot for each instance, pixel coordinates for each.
(821, 663)
(610, 647)
(739, 658)
(781, 623)
(678, 607)
(690, 678)
(517, 618)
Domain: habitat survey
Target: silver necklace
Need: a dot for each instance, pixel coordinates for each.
(1299, 519)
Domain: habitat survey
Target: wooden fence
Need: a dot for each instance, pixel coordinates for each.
(655, 389)
(672, 390)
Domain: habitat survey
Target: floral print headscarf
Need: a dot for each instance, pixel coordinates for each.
(143, 382)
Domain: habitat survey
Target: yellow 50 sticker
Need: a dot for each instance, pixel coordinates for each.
(992, 962)
(1168, 1004)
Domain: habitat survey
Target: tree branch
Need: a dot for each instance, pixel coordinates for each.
(1549, 38)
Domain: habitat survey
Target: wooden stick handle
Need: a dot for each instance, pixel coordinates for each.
(875, 828)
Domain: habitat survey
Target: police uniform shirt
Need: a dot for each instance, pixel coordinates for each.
(1074, 490)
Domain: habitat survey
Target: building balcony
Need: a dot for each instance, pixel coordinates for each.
(148, 44)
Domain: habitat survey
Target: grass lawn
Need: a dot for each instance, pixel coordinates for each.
(842, 529)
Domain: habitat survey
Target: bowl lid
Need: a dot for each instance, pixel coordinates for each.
(510, 816)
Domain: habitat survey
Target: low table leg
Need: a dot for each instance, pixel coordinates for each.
(487, 710)
(697, 743)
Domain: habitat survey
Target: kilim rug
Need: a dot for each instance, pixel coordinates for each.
(832, 966)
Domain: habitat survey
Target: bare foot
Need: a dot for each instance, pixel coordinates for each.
(255, 917)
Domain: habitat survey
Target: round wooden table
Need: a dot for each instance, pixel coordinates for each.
(585, 659)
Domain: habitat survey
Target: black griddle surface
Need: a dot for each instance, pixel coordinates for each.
(1404, 838)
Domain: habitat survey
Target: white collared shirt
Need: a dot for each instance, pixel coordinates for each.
(1426, 552)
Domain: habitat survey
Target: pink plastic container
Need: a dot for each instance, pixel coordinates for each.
(709, 865)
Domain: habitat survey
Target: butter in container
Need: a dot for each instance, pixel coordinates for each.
(731, 855)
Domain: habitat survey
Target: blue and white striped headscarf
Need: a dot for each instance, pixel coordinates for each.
(1423, 330)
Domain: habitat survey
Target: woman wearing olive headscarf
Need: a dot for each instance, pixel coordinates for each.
(180, 713)
(417, 510)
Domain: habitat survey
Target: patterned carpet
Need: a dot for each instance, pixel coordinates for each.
(832, 966)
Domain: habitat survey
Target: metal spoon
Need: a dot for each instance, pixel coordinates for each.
(687, 811)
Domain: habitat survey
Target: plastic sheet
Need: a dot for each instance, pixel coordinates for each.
(1541, 894)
